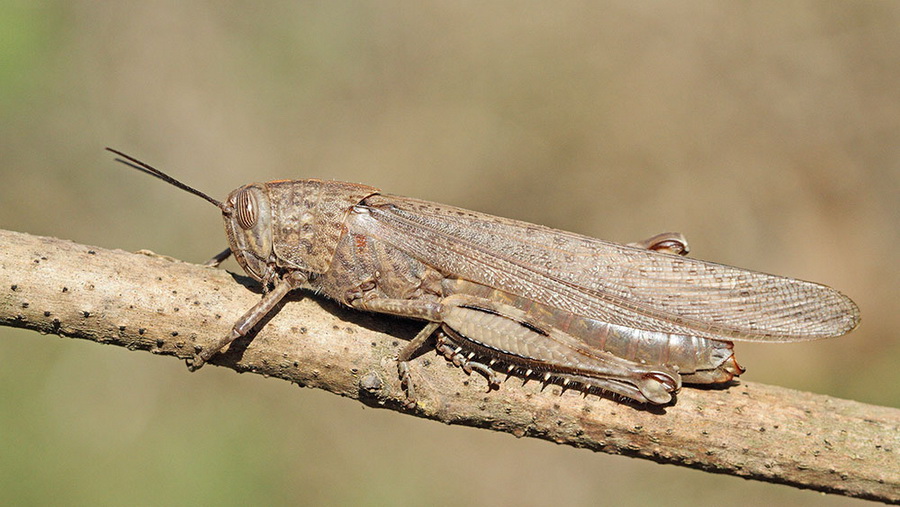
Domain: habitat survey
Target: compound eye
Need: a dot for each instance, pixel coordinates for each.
(246, 209)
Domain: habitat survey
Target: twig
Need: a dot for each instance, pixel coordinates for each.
(148, 302)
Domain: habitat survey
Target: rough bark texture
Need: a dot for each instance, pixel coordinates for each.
(148, 302)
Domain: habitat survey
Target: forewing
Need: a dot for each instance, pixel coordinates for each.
(608, 281)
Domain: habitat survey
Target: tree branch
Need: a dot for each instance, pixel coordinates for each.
(148, 302)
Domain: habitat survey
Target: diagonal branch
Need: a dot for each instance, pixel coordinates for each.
(148, 302)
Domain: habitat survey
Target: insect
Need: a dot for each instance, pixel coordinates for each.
(636, 320)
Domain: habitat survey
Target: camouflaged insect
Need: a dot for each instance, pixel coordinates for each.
(637, 320)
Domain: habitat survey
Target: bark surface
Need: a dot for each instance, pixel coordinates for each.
(143, 301)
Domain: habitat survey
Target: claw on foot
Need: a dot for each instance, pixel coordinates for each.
(407, 385)
(456, 356)
(493, 381)
(194, 363)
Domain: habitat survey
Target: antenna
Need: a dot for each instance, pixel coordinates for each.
(152, 171)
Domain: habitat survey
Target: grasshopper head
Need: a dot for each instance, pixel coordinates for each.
(309, 215)
(248, 224)
(248, 220)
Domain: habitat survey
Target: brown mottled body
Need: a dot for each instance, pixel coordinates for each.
(635, 320)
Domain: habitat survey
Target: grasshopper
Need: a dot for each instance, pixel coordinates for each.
(635, 320)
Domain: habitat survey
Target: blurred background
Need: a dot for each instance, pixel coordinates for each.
(767, 132)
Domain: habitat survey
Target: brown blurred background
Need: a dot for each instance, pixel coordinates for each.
(767, 132)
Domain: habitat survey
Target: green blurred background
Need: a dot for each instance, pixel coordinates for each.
(767, 132)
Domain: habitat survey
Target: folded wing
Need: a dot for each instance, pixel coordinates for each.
(608, 281)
